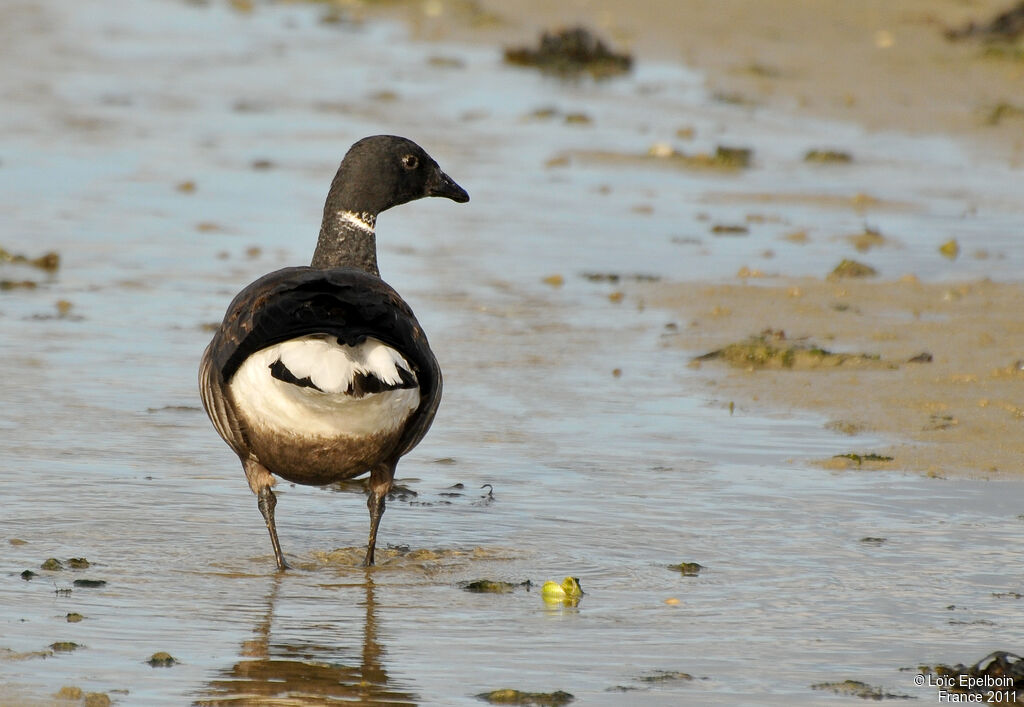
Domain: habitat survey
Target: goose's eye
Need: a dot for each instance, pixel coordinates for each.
(410, 162)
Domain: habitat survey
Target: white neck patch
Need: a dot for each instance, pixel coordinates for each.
(363, 221)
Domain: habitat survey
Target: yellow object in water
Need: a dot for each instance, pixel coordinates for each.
(568, 591)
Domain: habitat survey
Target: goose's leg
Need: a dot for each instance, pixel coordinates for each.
(381, 479)
(267, 502)
(260, 481)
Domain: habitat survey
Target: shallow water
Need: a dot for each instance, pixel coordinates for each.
(107, 454)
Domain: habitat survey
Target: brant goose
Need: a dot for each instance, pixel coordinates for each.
(322, 373)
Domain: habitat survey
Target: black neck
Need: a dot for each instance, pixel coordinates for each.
(347, 239)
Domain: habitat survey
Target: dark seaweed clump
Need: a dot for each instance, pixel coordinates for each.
(861, 458)
(518, 697)
(49, 261)
(90, 583)
(1007, 26)
(1000, 672)
(687, 569)
(856, 688)
(569, 53)
(493, 586)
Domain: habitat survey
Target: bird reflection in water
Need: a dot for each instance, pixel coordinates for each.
(305, 673)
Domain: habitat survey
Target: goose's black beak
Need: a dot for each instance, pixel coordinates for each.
(443, 185)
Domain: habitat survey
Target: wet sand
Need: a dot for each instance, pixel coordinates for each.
(959, 413)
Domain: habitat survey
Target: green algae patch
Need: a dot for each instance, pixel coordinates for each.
(518, 697)
(18, 285)
(950, 249)
(492, 586)
(52, 564)
(687, 569)
(64, 646)
(851, 269)
(856, 688)
(72, 693)
(74, 617)
(730, 229)
(659, 676)
(162, 659)
(570, 53)
(49, 261)
(772, 350)
(859, 459)
(69, 692)
(828, 157)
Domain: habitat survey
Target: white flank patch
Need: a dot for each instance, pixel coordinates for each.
(274, 404)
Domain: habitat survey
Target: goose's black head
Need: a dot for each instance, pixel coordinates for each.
(377, 173)
(385, 170)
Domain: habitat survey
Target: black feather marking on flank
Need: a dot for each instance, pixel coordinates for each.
(408, 379)
(280, 371)
(352, 340)
(366, 384)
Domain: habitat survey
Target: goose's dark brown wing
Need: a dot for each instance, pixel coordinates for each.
(343, 302)
(213, 392)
